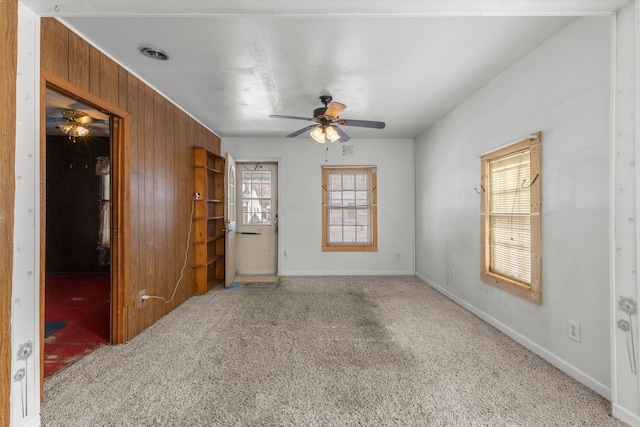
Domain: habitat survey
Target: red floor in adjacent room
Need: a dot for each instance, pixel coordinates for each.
(77, 304)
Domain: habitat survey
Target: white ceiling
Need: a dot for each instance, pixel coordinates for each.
(233, 63)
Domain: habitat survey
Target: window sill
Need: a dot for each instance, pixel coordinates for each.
(515, 288)
(350, 248)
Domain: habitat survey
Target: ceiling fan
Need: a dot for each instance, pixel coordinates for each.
(326, 120)
(74, 123)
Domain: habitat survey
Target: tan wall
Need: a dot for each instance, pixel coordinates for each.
(161, 169)
(8, 69)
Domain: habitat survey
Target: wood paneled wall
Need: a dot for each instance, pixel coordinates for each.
(161, 169)
(8, 70)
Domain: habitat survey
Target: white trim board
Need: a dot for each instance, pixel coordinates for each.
(611, 200)
(636, 71)
(347, 273)
(624, 415)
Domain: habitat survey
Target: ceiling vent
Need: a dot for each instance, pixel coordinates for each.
(153, 53)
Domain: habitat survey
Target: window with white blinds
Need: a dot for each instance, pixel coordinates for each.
(349, 209)
(509, 216)
(511, 232)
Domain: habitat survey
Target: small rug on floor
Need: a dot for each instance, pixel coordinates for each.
(258, 286)
(53, 327)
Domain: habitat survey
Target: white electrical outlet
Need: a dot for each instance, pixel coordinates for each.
(141, 301)
(573, 330)
(453, 274)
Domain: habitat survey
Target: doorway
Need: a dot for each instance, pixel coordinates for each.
(257, 219)
(118, 231)
(77, 288)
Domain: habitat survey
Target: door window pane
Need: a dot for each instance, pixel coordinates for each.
(256, 198)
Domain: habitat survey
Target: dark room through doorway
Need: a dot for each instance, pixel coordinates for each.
(77, 288)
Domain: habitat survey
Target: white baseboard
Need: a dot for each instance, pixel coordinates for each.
(347, 273)
(33, 422)
(559, 363)
(256, 273)
(624, 415)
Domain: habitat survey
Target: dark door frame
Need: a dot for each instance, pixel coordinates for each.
(120, 135)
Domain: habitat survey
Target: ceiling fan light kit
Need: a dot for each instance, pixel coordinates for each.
(332, 134)
(75, 121)
(73, 129)
(320, 134)
(326, 120)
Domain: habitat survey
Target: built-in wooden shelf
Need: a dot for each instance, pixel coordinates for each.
(209, 220)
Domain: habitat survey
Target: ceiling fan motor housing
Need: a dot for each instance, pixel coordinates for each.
(76, 116)
(326, 100)
(319, 112)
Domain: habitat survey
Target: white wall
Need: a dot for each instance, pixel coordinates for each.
(25, 293)
(300, 214)
(561, 88)
(625, 390)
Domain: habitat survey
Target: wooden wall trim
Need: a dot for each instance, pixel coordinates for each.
(120, 199)
(8, 70)
(120, 253)
(67, 88)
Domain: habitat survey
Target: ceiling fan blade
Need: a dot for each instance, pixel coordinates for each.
(361, 123)
(301, 131)
(334, 110)
(343, 136)
(279, 116)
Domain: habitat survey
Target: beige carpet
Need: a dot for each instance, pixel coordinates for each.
(320, 351)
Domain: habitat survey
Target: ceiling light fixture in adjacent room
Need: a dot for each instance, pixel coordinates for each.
(73, 129)
(154, 53)
(75, 123)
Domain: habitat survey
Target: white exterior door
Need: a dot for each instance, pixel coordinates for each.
(230, 215)
(257, 241)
